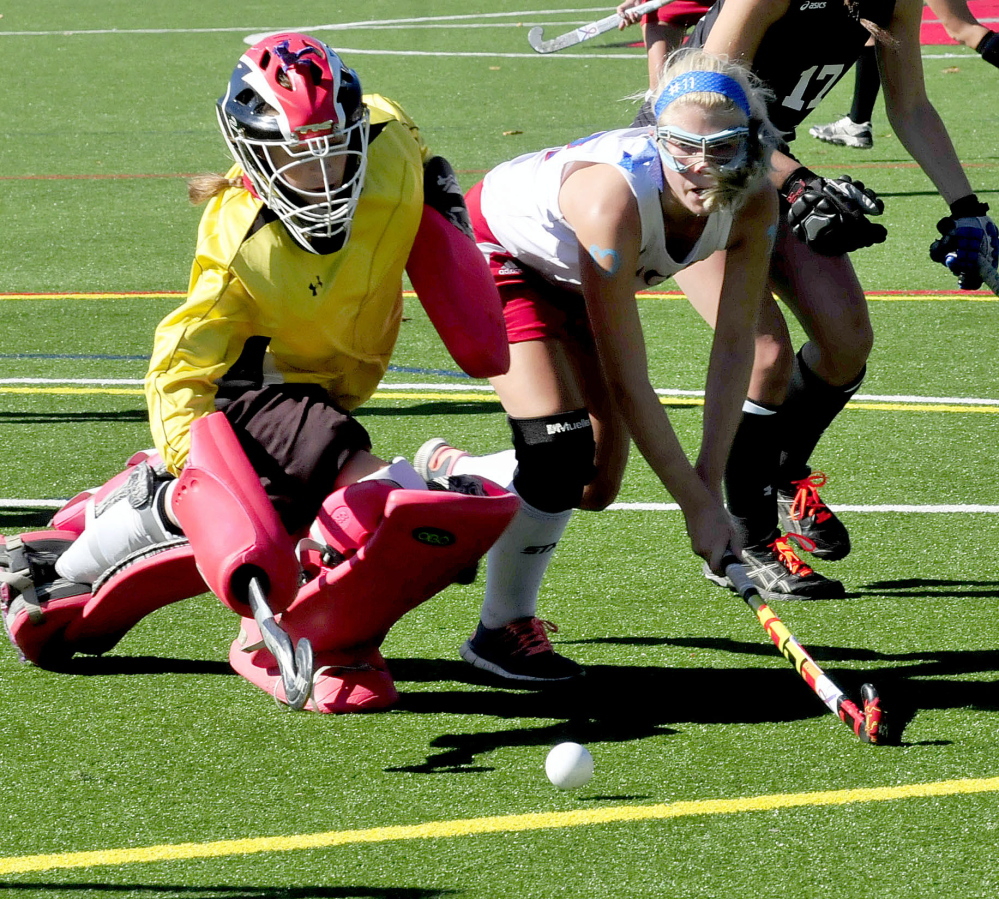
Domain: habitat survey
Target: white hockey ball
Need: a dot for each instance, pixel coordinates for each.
(569, 765)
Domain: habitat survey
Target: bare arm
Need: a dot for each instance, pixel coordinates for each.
(604, 215)
(746, 264)
(913, 118)
(741, 25)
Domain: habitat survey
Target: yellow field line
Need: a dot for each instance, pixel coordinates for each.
(500, 824)
(492, 398)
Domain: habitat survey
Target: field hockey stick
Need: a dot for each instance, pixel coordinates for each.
(294, 662)
(865, 722)
(989, 275)
(585, 32)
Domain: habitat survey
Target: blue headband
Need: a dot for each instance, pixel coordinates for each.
(697, 81)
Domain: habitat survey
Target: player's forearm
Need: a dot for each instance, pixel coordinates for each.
(924, 136)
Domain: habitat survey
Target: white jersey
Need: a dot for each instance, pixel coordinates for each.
(520, 204)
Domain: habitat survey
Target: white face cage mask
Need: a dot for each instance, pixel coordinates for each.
(300, 182)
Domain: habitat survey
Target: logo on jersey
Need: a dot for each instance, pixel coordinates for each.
(566, 427)
(813, 4)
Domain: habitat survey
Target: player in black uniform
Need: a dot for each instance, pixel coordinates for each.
(854, 129)
(800, 50)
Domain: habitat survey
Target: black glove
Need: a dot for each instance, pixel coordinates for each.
(831, 217)
(969, 242)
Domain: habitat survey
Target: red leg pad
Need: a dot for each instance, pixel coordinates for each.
(457, 290)
(69, 618)
(423, 542)
(343, 682)
(352, 514)
(232, 526)
(37, 630)
(133, 592)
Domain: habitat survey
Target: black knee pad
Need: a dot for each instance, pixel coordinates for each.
(554, 459)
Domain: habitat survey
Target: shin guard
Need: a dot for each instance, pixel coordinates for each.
(232, 527)
(50, 619)
(387, 550)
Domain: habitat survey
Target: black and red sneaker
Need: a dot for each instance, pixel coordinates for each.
(519, 651)
(802, 512)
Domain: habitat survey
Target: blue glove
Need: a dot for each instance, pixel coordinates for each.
(968, 243)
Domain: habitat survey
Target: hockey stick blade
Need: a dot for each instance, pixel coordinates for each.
(585, 32)
(863, 723)
(294, 662)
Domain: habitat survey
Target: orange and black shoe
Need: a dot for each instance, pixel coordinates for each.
(779, 573)
(802, 512)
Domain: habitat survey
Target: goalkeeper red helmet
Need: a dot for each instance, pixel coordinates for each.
(294, 120)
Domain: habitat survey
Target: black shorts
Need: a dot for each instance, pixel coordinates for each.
(297, 440)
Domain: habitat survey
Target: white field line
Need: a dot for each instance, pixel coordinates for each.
(485, 388)
(932, 509)
(374, 24)
(887, 508)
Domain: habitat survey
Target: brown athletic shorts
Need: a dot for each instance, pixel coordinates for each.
(297, 440)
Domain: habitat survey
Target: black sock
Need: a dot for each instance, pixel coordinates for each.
(809, 409)
(751, 473)
(866, 86)
(988, 46)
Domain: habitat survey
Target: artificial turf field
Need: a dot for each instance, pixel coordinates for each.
(155, 772)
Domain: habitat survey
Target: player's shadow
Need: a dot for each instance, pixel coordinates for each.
(228, 891)
(486, 407)
(101, 666)
(62, 417)
(611, 704)
(621, 703)
(14, 521)
(929, 588)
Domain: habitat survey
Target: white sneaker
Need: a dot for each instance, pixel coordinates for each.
(846, 133)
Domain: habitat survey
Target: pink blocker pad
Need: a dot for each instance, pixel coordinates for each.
(456, 289)
(425, 540)
(343, 682)
(232, 526)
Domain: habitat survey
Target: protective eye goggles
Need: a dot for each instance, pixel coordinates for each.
(681, 150)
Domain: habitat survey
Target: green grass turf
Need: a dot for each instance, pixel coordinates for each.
(686, 700)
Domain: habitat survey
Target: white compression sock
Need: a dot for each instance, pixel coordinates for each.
(517, 562)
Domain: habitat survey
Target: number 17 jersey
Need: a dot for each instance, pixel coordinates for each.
(805, 53)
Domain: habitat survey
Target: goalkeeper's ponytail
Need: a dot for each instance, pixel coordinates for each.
(201, 188)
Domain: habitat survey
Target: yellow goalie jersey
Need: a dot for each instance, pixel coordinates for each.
(329, 319)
